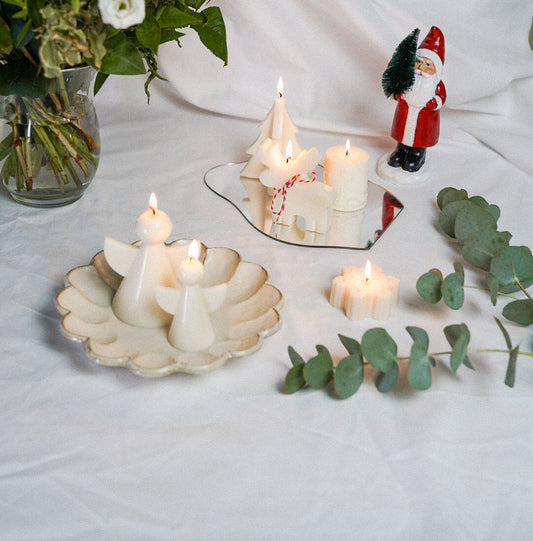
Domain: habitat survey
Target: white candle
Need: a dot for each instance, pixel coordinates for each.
(279, 110)
(365, 292)
(191, 328)
(144, 268)
(280, 168)
(346, 171)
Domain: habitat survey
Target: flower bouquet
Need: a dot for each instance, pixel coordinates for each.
(54, 54)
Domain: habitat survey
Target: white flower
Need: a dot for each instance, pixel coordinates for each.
(122, 13)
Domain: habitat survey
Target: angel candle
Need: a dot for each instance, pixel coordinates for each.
(281, 168)
(191, 328)
(365, 292)
(346, 171)
(143, 267)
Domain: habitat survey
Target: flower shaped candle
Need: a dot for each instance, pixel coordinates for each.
(144, 268)
(365, 292)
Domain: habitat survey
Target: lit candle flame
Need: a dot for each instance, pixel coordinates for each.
(288, 152)
(347, 147)
(368, 271)
(280, 86)
(194, 250)
(152, 202)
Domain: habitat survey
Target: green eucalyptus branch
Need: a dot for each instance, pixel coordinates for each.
(472, 221)
(379, 350)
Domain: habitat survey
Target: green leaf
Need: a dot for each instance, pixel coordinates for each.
(472, 219)
(379, 349)
(122, 57)
(323, 349)
(494, 287)
(418, 370)
(449, 195)
(6, 146)
(429, 286)
(6, 43)
(482, 202)
(349, 375)
(99, 81)
(169, 34)
(531, 36)
(294, 380)
(505, 333)
(458, 337)
(212, 33)
(295, 357)
(385, 380)
(172, 17)
(513, 265)
(318, 371)
(458, 266)
(452, 290)
(510, 374)
(520, 312)
(482, 246)
(352, 346)
(20, 79)
(449, 214)
(149, 33)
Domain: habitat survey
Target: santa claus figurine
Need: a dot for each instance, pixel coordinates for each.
(416, 121)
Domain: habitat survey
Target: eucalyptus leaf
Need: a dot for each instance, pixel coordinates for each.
(520, 311)
(418, 370)
(385, 380)
(452, 290)
(419, 334)
(482, 202)
(482, 246)
(505, 334)
(323, 349)
(429, 286)
(510, 375)
(295, 357)
(449, 195)
(318, 371)
(458, 266)
(513, 265)
(458, 337)
(294, 380)
(379, 349)
(449, 215)
(494, 287)
(472, 219)
(352, 345)
(349, 375)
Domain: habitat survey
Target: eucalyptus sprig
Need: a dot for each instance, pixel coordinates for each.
(472, 221)
(379, 350)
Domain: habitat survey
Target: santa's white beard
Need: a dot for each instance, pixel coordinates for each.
(423, 89)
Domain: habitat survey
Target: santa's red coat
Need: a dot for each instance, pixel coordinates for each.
(421, 130)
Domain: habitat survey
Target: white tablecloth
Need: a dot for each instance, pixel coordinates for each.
(90, 452)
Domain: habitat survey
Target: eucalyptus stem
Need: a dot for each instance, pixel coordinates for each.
(488, 290)
(524, 290)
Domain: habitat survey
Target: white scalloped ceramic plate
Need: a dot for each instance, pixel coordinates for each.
(249, 314)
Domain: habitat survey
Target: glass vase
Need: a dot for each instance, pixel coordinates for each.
(50, 145)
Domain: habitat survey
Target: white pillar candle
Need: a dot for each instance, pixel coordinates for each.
(144, 268)
(191, 328)
(346, 171)
(365, 292)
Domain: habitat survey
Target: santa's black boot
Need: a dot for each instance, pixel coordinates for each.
(398, 156)
(415, 159)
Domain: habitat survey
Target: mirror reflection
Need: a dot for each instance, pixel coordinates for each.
(298, 216)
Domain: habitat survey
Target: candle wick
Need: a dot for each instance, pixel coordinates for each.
(287, 160)
(153, 210)
(347, 153)
(280, 94)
